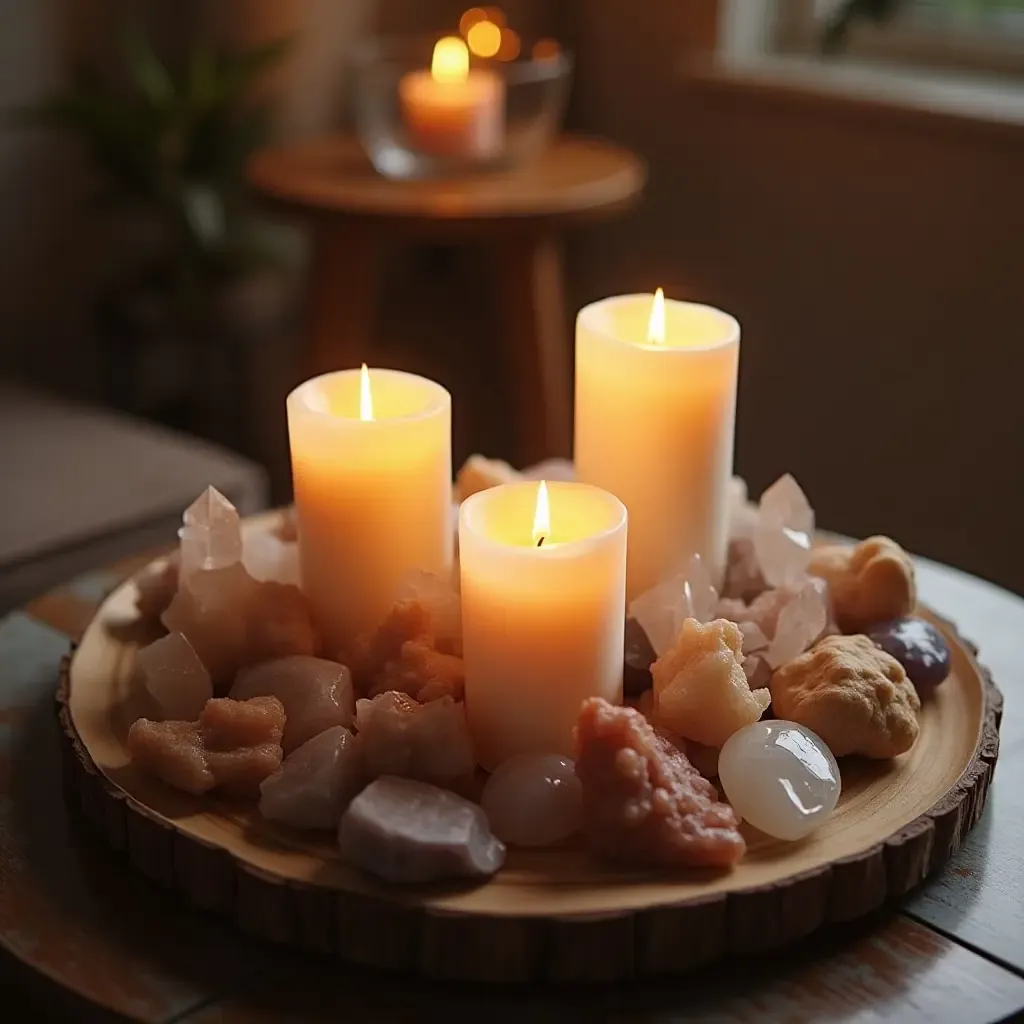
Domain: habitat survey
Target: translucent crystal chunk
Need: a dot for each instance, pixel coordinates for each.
(406, 831)
(315, 783)
(784, 532)
(663, 608)
(211, 537)
(801, 621)
(267, 558)
(177, 680)
(780, 777)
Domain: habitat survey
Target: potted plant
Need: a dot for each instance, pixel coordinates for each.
(170, 146)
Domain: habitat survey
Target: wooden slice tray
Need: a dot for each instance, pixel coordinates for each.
(549, 914)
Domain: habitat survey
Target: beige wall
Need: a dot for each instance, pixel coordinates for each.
(876, 263)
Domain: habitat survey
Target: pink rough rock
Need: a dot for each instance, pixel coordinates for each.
(286, 529)
(443, 608)
(316, 694)
(173, 752)
(234, 746)
(406, 831)
(643, 801)
(784, 532)
(211, 537)
(663, 608)
(176, 679)
(423, 673)
(743, 576)
(315, 783)
(156, 587)
(233, 621)
(430, 742)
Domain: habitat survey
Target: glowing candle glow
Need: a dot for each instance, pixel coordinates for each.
(655, 419)
(452, 110)
(543, 610)
(371, 465)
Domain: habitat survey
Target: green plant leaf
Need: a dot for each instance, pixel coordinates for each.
(146, 69)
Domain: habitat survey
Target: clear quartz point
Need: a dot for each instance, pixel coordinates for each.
(211, 537)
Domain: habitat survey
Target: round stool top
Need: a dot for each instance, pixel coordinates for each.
(574, 178)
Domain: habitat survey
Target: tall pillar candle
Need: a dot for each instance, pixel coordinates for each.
(371, 465)
(655, 419)
(543, 612)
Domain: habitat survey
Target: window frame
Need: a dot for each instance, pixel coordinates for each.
(791, 28)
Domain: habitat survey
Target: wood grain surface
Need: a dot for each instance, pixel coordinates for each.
(76, 907)
(555, 914)
(573, 178)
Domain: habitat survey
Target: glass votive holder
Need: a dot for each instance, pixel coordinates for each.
(426, 108)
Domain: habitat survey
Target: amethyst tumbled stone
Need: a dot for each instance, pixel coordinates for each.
(918, 646)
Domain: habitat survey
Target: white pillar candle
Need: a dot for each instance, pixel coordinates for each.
(655, 419)
(543, 612)
(371, 466)
(452, 111)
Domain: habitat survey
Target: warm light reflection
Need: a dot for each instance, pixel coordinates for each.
(542, 516)
(470, 18)
(656, 325)
(365, 397)
(484, 39)
(546, 49)
(510, 45)
(450, 62)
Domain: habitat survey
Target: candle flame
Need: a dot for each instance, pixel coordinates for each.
(656, 325)
(542, 516)
(450, 62)
(365, 396)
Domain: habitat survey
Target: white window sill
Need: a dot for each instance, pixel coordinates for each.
(965, 99)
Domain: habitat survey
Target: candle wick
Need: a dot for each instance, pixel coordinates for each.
(540, 541)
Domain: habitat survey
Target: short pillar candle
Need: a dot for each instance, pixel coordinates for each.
(655, 422)
(543, 612)
(371, 467)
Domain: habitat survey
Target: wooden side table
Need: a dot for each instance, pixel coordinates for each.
(519, 215)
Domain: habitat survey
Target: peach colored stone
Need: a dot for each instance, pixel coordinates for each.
(173, 752)
(226, 724)
(700, 689)
(643, 802)
(176, 679)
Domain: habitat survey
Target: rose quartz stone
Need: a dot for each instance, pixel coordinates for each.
(780, 777)
(315, 783)
(405, 831)
(802, 619)
(316, 694)
(643, 801)
(784, 532)
(441, 602)
(398, 736)
(533, 800)
(175, 677)
(663, 608)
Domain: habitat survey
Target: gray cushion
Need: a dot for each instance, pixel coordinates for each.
(83, 487)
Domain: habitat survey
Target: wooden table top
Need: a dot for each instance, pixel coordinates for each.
(83, 933)
(575, 178)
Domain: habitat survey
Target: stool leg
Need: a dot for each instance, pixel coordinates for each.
(342, 302)
(537, 351)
